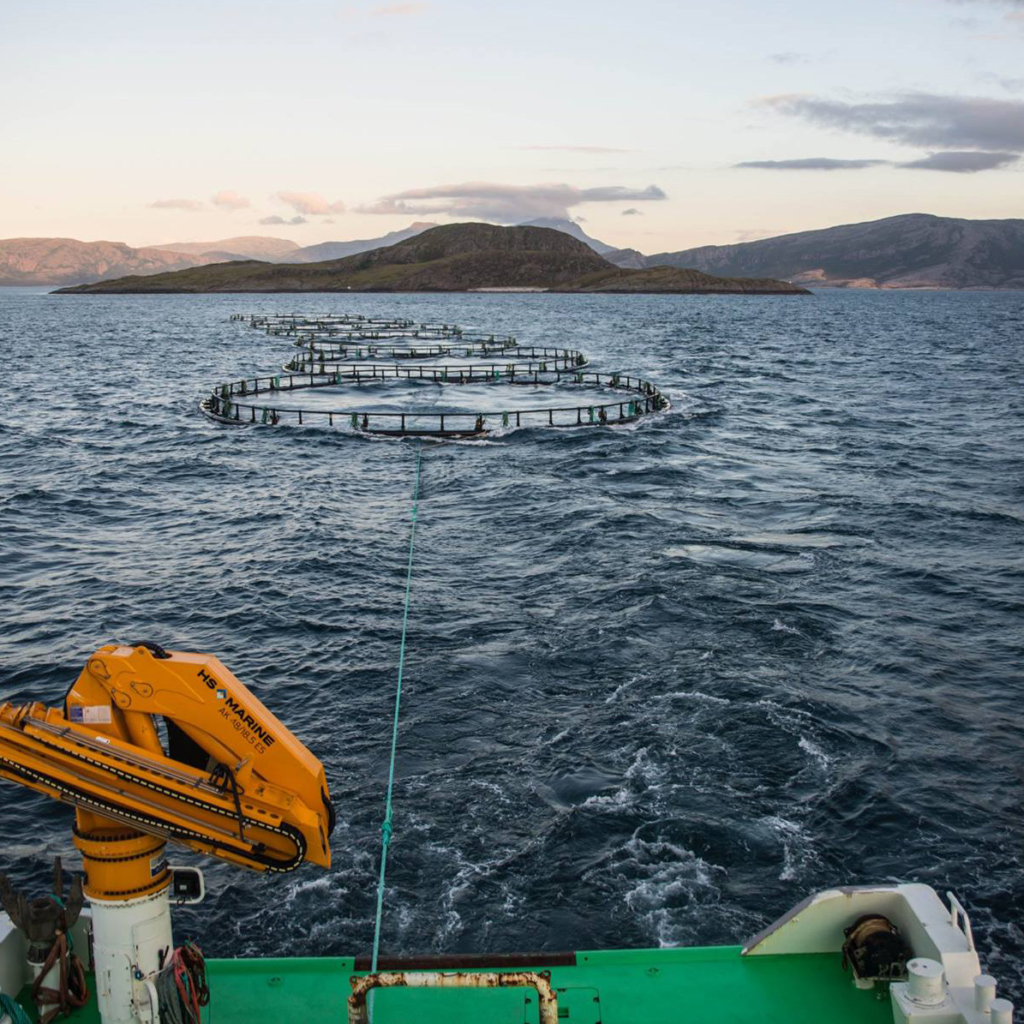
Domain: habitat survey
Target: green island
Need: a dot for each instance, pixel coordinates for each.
(450, 258)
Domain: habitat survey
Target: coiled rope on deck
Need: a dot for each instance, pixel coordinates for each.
(182, 987)
(386, 828)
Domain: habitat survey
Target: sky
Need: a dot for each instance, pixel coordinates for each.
(658, 125)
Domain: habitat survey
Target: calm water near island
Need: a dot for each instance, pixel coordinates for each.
(662, 681)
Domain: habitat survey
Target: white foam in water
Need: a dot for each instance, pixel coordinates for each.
(621, 689)
(705, 698)
(815, 752)
(796, 846)
(778, 626)
(668, 873)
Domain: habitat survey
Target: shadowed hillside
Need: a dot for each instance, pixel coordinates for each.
(914, 250)
(455, 257)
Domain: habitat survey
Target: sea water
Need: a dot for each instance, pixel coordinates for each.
(662, 680)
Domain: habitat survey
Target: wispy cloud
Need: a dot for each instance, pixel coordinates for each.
(969, 162)
(360, 10)
(275, 219)
(228, 200)
(632, 212)
(917, 119)
(810, 163)
(1012, 12)
(952, 161)
(1003, 81)
(310, 203)
(576, 149)
(789, 57)
(507, 204)
(189, 205)
(1015, 5)
(397, 10)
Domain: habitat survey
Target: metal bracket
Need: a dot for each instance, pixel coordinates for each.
(187, 885)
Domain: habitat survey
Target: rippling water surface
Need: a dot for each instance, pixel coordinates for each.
(662, 680)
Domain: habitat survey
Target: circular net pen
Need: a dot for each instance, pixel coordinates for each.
(344, 338)
(329, 358)
(360, 396)
(345, 326)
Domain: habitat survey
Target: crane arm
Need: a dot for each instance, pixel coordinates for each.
(229, 779)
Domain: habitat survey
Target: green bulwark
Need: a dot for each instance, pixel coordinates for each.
(692, 985)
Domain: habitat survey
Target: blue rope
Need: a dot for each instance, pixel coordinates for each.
(386, 828)
(9, 1008)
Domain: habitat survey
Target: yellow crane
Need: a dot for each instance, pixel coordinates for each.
(154, 745)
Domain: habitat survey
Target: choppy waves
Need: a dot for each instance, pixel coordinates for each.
(662, 681)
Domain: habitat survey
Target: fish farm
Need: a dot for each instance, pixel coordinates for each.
(333, 351)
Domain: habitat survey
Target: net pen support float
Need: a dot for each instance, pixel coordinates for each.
(261, 400)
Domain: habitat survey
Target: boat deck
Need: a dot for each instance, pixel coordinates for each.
(694, 985)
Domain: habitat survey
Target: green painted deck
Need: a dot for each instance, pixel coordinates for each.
(694, 985)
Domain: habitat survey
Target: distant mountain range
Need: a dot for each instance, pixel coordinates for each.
(242, 247)
(454, 257)
(570, 227)
(338, 250)
(34, 261)
(910, 251)
(915, 250)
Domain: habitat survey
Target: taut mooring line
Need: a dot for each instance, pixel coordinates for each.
(386, 828)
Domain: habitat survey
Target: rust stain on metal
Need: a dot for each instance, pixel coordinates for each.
(538, 980)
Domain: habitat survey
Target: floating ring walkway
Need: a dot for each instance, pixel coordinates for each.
(334, 350)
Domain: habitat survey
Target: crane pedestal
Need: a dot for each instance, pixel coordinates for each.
(126, 881)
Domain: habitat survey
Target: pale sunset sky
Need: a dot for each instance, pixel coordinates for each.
(153, 122)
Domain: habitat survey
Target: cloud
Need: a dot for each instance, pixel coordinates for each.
(632, 212)
(917, 119)
(228, 200)
(311, 203)
(507, 204)
(191, 205)
(810, 163)
(274, 219)
(1004, 82)
(789, 57)
(961, 162)
(576, 149)
(956, 161)
(397, 10)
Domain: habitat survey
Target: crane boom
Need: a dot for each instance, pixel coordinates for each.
(229, 780)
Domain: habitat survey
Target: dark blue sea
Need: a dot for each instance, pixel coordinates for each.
(662, 681)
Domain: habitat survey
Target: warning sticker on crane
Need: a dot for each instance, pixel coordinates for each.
(95, 714)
